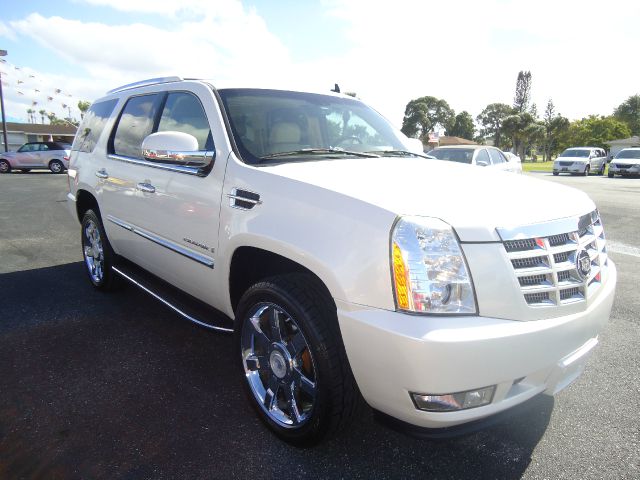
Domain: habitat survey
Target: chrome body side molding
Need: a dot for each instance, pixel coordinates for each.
(186, 169)
(197, 257)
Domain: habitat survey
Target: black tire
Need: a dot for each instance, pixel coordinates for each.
(301, 306)
(555, 174)
(102, 278)
(56, 166)
(586, 171)
(5, 167)
(602, 168)
(610, 174)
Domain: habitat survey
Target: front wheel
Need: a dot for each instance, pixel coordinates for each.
(555, 174)
(293, 363)
(98, 255)
(56, 166)
(5, 167)
(610, 174)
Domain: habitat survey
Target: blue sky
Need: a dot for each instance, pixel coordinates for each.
(581, 53)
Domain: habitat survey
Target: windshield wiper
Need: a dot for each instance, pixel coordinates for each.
(400, 153)
(319, 151)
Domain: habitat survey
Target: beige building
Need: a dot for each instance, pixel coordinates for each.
(21, 133)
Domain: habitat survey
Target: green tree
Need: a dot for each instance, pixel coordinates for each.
(596, 131)
(523, 92)
(463, 126)
(629, 113)
(425, 114)
(491, 119)
(42, 113)
(518, 127)
(83, 106)
(555, 125)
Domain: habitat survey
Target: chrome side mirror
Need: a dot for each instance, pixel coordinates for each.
(175, 148)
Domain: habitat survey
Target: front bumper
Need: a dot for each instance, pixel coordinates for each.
(631, 171)
(394, 354)
(575, 167)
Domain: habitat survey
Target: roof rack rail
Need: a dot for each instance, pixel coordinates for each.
(144, 83)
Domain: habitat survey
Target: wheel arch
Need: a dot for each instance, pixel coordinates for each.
(86, 201)
(250, 264)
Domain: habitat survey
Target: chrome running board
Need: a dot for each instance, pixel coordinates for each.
(160, 291)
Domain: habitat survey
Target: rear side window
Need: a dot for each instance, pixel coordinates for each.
(43, 147)
(92, 126)
(136, 122)
(496, 156)
(483, 156)
(183, 112)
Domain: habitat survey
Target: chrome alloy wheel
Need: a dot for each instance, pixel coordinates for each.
(93, 251)
(4, 167)
(278, 365)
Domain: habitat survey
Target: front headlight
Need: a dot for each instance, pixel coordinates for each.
(430, 273)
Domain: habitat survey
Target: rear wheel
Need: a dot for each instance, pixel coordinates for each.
(98, 255)
(5, 167)
(555, 173)
(601, 172)
(586, 171)
(56, 166)
(293, 363)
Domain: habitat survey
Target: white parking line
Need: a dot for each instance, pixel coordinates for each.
(616, 247)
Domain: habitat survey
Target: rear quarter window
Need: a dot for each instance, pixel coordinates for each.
(92, 126)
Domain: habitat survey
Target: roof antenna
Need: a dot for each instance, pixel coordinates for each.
(336, 88)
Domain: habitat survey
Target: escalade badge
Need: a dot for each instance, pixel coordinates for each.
(583, 264)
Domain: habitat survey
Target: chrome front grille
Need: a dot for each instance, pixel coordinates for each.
(557, 267)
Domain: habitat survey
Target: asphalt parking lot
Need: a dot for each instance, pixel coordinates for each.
(117, 386)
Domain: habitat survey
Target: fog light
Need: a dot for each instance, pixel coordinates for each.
(450, 402)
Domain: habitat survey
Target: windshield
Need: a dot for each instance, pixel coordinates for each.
(283, 126)
(576, 153)
(460, 155)
(628, 154)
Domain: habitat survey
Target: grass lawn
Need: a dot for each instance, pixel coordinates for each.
(537, 166)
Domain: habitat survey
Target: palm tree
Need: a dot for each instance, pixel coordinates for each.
(42, 113)
(31, 111)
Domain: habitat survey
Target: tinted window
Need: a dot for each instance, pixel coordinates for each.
(92, 126)
(483, 156)
(580, 153)
(43, 147)
(29, 147)
(183, 112)
(496, 156)
(136, 122)
(460, 155)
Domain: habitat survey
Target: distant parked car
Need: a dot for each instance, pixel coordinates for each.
(626, 162)
(51, 155)
(480, 155)
(581, 161)
(515, 163)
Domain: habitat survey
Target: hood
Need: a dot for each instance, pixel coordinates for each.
(474, 200)
(626, 161)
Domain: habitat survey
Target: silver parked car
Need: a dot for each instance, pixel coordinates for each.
(51, 155)
(480, 155)
(581, 161)
(625, 163)
(515, 162)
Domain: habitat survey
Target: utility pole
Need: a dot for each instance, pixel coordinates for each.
(3, 53)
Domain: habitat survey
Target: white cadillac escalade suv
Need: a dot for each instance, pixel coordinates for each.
(347, 267)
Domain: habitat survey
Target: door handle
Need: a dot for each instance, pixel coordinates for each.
(102, 173)
(146, 187)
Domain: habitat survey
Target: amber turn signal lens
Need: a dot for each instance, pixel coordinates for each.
(401, 278)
